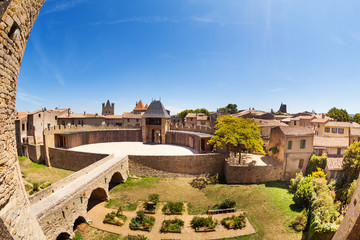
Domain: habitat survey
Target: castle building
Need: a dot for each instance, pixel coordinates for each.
(108, 109)
(155, 123)
(140, 108)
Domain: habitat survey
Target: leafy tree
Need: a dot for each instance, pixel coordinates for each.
(316, 162)
(356, 118)
(339, 114)
(304, 192)
(230, 108)
(319, 173)
(351, 162)
(183, 114)
(237, 134)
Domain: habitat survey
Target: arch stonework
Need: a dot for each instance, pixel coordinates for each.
(17, 220)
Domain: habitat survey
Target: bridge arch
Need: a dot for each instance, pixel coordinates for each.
(63, 236)
(97, 196)
(79, 221)
(116, 179)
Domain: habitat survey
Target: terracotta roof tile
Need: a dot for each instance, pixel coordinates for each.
(297, 131)
(331, 141)
(334, 163)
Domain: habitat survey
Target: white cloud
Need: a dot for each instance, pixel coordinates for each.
(276, 90)
(62, 5)
(338, 40)
(35, 100)
(152, 19)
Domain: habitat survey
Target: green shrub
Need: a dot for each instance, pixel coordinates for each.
(304, 192)
(142, 222)
(78, 236)
(350, 191)
(154, 198)
(294, 182)
(115, 218)
(319, 173)
(316, 162)
(201, 222)
(234, 222)
(299, 223)
(172, 225)
(227, 203)
(173, 208)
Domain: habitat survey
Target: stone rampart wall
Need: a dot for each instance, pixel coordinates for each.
(75, 139)
(252, 174)
(189, 164)
(34, 152)
(188, 139)
(201, 129)
(73, 160)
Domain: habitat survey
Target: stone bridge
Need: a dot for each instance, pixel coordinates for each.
(64, 205)
(17, 219)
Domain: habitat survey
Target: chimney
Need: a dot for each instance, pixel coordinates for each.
(84, 113)
(323, 115)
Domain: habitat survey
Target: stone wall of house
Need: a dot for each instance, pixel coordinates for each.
(16, 218)
(236, 174)
(73, 160)
(189, 164)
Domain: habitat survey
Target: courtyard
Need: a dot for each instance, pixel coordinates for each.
(135, 148)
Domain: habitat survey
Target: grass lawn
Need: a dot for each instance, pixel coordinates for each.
(267, 205)
(39, 173)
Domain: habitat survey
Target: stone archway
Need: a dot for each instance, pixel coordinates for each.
(97, 196)
(116, 179)
(78, 221)
(63, 236)
(17, 21)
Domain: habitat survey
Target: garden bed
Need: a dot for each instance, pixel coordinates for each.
(172, 226)
(115, 218)
(142, 222)
(173, 208)
(202, 224)
(234, 222)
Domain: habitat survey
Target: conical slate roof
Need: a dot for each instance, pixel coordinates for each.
(156, 110)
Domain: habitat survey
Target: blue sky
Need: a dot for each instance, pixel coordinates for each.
(193, 54)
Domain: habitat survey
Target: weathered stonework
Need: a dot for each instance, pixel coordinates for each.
(16, 217)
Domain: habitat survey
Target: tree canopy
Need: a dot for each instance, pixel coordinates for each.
(356, 118)
(339, 114)
(230, 108)
(237, 135)
(183, 114)
(351, 162)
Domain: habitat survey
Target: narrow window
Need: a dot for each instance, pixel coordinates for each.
(339, 151)
(55, 117)
(341, 131)
(301, 163)
(318, 125)
(294, 123)
(289, 144)
(332, 175)
(327, 129)
(39, 115)
(23, 126)
(334, 130)
(302, 144)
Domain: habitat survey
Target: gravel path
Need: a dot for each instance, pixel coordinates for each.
(135, 148)
(97, 214)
